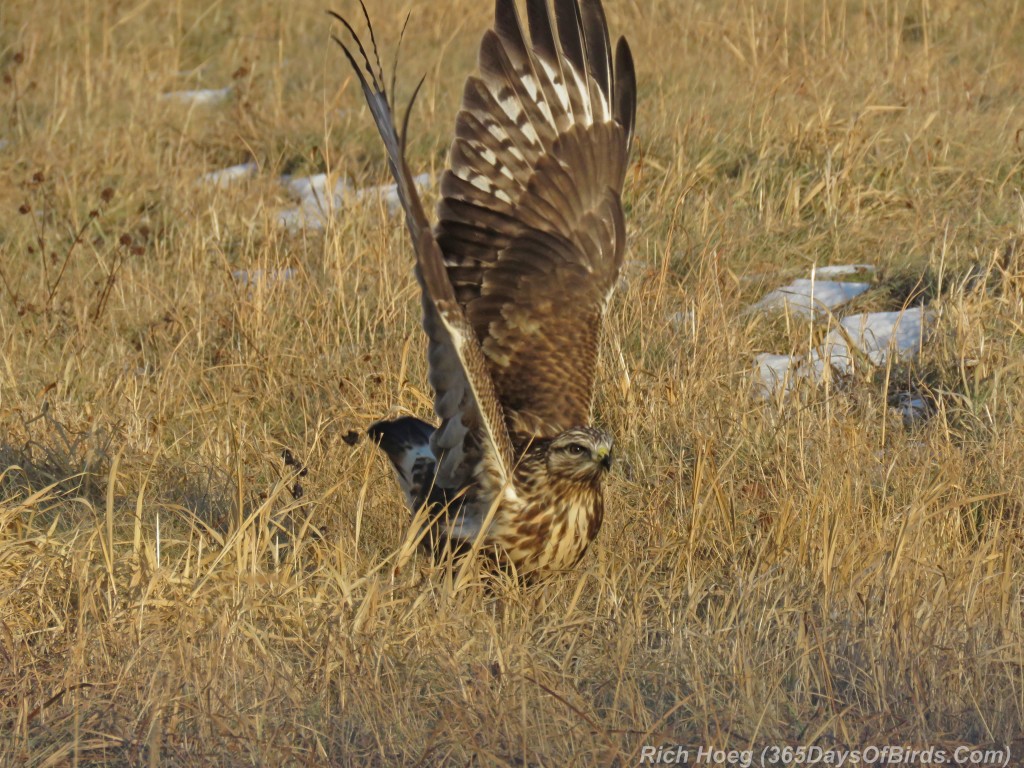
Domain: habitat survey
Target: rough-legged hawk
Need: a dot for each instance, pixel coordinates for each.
(516, 277)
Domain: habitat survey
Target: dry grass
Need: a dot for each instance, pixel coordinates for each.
(809, 571)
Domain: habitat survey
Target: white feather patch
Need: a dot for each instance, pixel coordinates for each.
(536, 95)
(502, 137)
(510, 106)
(529, 84)
(480, 182)
(584, 89)
(485, 185)
(491, 159)
(554, 76)
(514, 110)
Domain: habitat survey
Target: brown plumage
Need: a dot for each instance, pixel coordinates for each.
(516, 278)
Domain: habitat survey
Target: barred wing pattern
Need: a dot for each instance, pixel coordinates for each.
(515, 280)
(530, 221)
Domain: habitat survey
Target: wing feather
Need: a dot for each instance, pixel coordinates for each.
(625, 90)
(472, 427)
(599, 60)
(570, 33)
(530, 220)
(530, 237)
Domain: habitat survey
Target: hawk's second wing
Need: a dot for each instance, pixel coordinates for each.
(531, 221)
(472, 441)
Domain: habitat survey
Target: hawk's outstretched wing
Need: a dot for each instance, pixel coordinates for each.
(472, 430)
(519, 270)
(531, 223)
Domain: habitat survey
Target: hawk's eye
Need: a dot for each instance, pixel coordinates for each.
(576, 449)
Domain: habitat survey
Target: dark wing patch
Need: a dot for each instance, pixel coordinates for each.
(530, 221)
(406, 441)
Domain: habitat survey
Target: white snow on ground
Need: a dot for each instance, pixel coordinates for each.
(317, 198)
(199, 97)
(316, 201)
(228, 176)
(775, 372)
(388, 193)
(875, 335)
(806, 298)
(316, 187)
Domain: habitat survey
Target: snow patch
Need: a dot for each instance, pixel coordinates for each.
(316, 187)
(228, 176)
(874, 335)
(775, 372)
(200, 97)
(877, 335)
(317, 199)
(388, 193)
(807, 298)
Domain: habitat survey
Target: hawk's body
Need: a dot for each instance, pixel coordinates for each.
(547, 515)
(516, 278)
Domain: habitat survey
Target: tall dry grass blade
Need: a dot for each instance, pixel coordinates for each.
(108, 537)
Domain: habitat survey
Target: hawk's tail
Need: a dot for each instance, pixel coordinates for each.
(406, 441)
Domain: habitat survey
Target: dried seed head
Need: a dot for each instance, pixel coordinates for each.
(107, 194)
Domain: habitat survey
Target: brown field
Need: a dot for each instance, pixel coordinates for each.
(800, 571)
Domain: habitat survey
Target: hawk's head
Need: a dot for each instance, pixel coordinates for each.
(580, 453)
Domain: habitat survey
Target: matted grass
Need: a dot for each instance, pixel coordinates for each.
(800, 571)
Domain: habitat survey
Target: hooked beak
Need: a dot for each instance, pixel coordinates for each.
(604, 458)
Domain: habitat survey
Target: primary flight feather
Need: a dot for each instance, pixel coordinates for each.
(516, 277)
